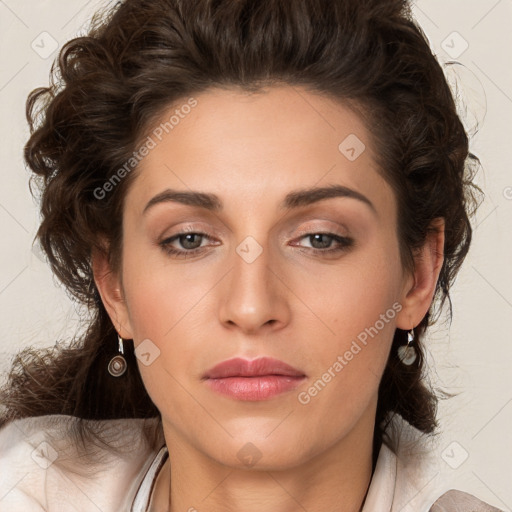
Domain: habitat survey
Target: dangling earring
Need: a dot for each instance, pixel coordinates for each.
(117, 365)
(407, 353)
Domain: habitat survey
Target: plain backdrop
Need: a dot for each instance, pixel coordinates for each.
(471, 357)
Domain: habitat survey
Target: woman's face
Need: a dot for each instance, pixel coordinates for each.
(269, 268)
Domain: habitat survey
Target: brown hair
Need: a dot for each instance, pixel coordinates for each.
(108, 87)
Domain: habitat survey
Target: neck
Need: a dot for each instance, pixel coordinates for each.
(337, 479)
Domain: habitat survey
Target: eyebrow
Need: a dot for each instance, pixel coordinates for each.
(292, 200)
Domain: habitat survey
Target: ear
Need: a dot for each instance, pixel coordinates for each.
(419, 288)
(110, 289)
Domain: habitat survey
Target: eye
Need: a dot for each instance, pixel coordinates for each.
(322, 243)
(191, 243)
(189, 240)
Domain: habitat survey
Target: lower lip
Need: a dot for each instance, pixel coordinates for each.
(254, 388)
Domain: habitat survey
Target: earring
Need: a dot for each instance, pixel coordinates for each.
(117, 365)
(407, 353)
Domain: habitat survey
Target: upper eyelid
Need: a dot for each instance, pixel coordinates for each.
(191, 227)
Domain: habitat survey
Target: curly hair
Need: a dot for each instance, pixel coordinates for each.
(141, 57)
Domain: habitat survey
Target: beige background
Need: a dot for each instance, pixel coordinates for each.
(472, 357)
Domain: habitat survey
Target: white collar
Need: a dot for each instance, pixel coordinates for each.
(381, 492)
(145, 490)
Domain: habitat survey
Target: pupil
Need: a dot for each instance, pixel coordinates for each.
(325, 244)
(187, 240)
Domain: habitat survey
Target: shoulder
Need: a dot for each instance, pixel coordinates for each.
(420, 484)
(455, 501)
(42, 468)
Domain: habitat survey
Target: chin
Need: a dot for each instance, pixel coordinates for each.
(263, 452)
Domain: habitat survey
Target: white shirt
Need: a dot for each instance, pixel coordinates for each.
(42, 470)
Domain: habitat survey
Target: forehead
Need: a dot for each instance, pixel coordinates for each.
(254, 148)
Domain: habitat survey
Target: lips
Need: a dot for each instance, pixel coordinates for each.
(263, 366)
(256, 380)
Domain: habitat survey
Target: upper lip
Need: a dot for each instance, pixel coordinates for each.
(239, 367)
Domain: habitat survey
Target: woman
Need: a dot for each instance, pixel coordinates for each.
(259, 202)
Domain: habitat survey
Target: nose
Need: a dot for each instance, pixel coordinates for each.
(254, 296)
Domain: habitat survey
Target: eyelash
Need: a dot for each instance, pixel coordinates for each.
(345, 244)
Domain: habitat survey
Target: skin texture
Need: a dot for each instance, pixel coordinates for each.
(290, 303)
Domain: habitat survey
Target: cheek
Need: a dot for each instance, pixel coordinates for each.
(357, 305)
(159, 294)
(169, 304)
(352, 295)
(164, 307)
